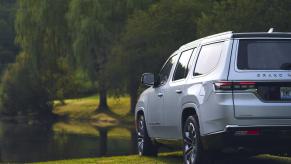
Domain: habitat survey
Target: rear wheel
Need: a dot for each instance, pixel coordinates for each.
(145, 145)
(193, 151)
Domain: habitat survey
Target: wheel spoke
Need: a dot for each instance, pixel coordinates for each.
(187, 141)
(187, 138)
(190, 143)
(140, 135)
(140, 145)
(188, 155)
(188, 150)
(140, 129)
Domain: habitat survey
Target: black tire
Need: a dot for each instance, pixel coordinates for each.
(145, 146)
(192, 147)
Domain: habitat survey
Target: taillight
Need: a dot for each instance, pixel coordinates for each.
(234, 85)
(223, 85)
(247, 132)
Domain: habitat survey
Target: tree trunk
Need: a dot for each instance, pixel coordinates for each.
(103, 98)
(133, 96)
(133, 101)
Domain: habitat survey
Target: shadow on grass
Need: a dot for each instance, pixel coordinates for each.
(173, 157)
(260, 159)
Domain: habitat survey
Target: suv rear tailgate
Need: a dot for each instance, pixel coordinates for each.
(267, 62)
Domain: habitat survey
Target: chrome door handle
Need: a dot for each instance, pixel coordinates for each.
(160, 94)
(179, 91)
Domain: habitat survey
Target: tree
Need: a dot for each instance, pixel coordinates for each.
(149, 38)
(96, 25)
(8, 49)
(41, 32)
(90, 41)
(22, 92)
(245, 16)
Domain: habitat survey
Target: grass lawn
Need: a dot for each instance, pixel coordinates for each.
(171, 158)
(85, 109)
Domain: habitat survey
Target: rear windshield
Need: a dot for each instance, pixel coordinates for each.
(264, 55)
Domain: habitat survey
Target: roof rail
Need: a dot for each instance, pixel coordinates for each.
(207, 37)
(219, 34)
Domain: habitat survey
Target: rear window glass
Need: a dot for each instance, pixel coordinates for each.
(264, 55)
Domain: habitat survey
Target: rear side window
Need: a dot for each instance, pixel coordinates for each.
(264, 55)
(182, 67)
(208, 58)
(166, 70)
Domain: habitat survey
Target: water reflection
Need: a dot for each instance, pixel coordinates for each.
(63, 140)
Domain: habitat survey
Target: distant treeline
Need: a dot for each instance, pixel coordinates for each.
(71, 47)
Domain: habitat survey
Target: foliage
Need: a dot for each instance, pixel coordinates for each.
(8, 49)
(149, 38)
(89, 35)
(112, 42)
(246, 16)
(22, 91)
(41, 32)
(95, 25)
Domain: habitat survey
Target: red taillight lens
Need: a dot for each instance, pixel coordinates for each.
(234, 85)
(247, 133)
(223, 85)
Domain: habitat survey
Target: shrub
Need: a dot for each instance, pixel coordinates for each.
(22, 91)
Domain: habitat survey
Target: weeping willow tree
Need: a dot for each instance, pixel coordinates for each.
(8, 49)
(42, 34)
(149, 38)
(95, 25)
(90, 42)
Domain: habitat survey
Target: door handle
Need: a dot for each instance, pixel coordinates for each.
(179, 91)
(160, 94)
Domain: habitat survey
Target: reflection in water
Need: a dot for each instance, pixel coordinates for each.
(103, 141)
(28, 143)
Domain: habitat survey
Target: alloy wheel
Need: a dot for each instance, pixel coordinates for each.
(190, 144)
(140, 135)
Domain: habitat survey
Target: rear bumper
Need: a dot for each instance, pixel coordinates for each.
(269, 139)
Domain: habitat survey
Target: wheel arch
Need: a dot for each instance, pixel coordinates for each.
(189, 109)
(139, 112)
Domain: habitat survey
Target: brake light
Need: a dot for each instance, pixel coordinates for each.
(223, 85)
(247, 133)
(234, 85)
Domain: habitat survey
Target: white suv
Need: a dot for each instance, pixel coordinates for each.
(229, 91)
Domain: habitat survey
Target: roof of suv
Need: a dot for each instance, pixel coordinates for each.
(230, 34)
(262, 34)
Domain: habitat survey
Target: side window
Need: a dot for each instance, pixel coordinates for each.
(166, 70)
(182, 65)
(208, 58)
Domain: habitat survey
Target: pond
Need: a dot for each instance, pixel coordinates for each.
(63, 140)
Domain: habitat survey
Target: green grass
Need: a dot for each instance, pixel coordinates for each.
(85, 109)
(171, 158)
